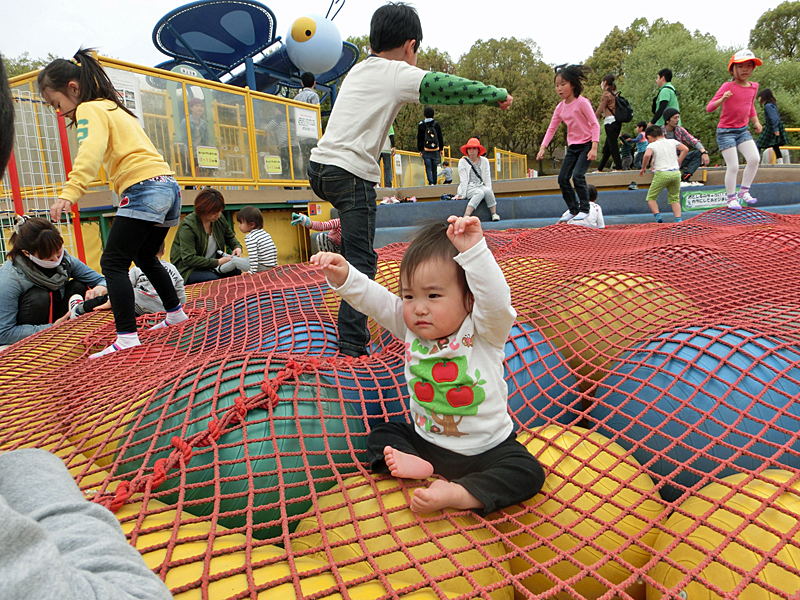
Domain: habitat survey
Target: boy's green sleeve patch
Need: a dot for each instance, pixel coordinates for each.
(443, 88)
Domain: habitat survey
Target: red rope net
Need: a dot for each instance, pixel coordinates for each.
(654, 371)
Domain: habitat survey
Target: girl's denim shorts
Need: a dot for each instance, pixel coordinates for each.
(730, 138)
(157, 200)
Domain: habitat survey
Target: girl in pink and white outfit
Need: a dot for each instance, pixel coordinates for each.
(583, 137)
(737, 98)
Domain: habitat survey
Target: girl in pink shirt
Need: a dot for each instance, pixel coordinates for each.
(583, 137)
(737, 98)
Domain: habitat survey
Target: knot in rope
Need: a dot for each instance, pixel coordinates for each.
(185, 448)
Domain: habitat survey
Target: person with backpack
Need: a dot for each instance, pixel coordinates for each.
(430, 144)
(613, 127)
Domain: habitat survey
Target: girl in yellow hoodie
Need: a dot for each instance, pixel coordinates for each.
(150, 199)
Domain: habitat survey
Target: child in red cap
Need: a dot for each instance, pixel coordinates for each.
(737, 98)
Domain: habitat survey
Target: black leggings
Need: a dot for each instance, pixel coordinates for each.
(611, 147)
(138, 241)
(35, 305)
(500, 477)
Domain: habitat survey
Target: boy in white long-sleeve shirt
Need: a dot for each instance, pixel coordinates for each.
(455, 315)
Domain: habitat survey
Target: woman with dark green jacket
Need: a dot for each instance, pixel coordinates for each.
(199, 248)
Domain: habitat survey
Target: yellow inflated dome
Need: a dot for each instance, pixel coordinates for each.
(707, 522)
(586, 500)
(344, 524)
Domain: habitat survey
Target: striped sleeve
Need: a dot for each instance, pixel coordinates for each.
(261, 250)
(334, 226)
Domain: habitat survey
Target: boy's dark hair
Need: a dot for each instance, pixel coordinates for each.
(428, 112)
(250, 214)
(431, 243)
(610, 85)
(573, 74)
(392, 25)
(642, 124)
(89, 74)
(446, 163)
(666, 74)
(626, 136)
(308, 79)
(208, 202)
(37, 236)
(654, 131)
(765, 95)
(6, 120)
(592, 193)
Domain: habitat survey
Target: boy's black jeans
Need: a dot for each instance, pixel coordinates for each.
(354, 198)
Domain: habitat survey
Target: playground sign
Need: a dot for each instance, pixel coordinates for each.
(703, 199)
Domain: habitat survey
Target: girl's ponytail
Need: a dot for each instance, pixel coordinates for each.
(87, 71)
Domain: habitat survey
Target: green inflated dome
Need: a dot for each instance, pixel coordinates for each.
(263, 460)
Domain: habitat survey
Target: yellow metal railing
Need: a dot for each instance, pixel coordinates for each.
(251, 139)
(788, 129)
(509, 165)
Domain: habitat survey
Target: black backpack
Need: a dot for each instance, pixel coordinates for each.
(624, 111)
(430, 140)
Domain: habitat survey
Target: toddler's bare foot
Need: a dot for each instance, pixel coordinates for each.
(443, 494)
(405, 465)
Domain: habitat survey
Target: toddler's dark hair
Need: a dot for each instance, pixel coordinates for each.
(627, 136)
(446, 163)
(37, 236)
(573, 74)
(654, 131)
(89, 74)
(392, 25)
(642, 124)
(592, 193)
(250, 214)
(431, 243)
(765, 95)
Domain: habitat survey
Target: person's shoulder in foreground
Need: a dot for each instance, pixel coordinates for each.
(54, 544)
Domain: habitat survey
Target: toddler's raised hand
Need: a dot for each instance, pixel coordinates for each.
(464, 232)
(298, 219)
(333, 265)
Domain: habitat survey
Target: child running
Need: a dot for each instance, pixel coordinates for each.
(454, 313)
(774, 135)
(343, 168)
(583, 137)
(262, 254)
(150, 199)
(667, 167)
(737, 98)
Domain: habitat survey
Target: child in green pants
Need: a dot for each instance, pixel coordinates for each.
(667, 165)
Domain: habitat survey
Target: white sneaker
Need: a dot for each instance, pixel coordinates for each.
(75, 302)
(495, 217)
(746, 197)
(580, 216)
(734, 204)
(565, 217)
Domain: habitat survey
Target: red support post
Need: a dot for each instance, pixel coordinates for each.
(76, 218)
(16, 191)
